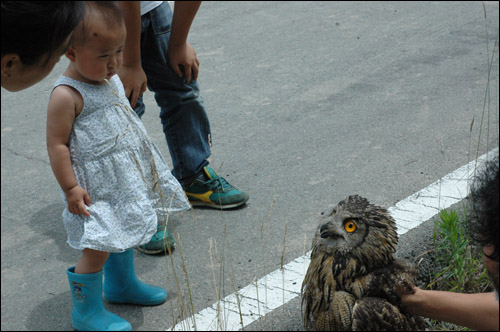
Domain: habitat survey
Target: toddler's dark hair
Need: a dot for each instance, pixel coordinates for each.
(106, 10)
(32, 29)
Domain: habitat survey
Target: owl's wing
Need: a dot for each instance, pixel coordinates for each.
(386, 282)
(376, 314)
(338, 317)
(318, 289)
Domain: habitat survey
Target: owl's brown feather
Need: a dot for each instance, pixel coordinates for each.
(353, 271)
(377, 314)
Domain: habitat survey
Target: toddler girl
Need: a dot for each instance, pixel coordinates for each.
(114, 180)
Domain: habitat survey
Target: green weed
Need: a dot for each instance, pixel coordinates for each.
(460, 264)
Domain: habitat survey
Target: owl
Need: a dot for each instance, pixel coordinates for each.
(353, 279)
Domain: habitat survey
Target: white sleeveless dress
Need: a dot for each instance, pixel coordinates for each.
(128, 181)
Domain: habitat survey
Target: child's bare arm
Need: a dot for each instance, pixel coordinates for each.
(476, 311)
(60, 117)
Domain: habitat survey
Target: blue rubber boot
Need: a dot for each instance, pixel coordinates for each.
(122, 286)
(89, 313)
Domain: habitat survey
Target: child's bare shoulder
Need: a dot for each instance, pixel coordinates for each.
(65, 98)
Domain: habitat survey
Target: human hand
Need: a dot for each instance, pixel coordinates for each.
(409, 299)
(185, 55)
(134, 81)
(77, 198)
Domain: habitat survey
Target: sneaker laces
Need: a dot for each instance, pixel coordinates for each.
(219, 183)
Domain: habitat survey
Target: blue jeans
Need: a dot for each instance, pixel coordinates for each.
(185, 122)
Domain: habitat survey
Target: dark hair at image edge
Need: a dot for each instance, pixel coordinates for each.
(484, 207)
(33, 29)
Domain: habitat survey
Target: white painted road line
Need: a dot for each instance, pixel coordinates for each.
(270, 292)
(423, 205)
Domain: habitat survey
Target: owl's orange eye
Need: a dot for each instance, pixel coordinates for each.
(350, 226)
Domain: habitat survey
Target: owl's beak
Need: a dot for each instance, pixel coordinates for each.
(327, 233)
(324, 227)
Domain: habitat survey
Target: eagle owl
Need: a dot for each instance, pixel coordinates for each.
(353, 278)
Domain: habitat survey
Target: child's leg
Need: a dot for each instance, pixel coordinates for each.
(121, 284)
(88, 312)
(91, 261)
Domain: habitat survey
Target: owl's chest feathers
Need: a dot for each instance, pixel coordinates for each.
(338, 272)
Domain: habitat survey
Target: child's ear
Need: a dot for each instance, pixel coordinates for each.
(71, 53)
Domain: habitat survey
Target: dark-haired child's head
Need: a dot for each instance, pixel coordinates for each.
(96, 51)
(97, 12)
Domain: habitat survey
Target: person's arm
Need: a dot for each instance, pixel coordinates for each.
(131, 74)
(476, 311)
(60, 118)
(180, 52)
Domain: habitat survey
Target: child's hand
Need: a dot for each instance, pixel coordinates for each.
(77, 197)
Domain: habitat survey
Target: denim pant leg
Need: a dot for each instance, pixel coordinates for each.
(185, 122)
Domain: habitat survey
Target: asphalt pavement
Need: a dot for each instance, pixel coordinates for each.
(308, 102)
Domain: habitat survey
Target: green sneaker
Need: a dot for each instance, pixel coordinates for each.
(159, 242)
(215, 192)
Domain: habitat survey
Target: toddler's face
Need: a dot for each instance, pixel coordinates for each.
(100, 56)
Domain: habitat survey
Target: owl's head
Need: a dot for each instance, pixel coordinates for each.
(355, 228)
